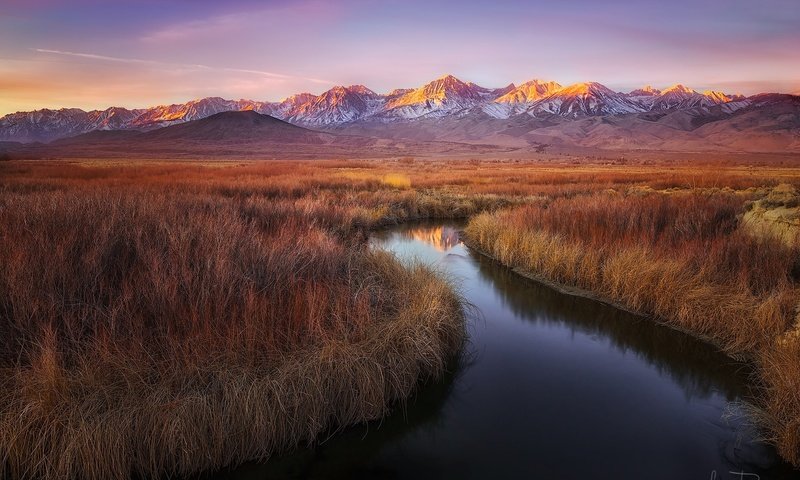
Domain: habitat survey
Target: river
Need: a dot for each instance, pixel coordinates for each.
(551, 386)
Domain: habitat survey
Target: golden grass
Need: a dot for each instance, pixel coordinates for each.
(150, 328)
(397, 180)
(112, 414)
(161, 318)
(683, 258)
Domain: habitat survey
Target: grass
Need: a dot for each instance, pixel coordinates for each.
(151, 329)
(682, 257)
(397, 180)
(197, 410)
(188, 316)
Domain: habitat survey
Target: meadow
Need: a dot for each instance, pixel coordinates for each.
(150, 306)
(160, 320)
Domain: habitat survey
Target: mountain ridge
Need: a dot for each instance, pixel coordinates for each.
(463, 106)
(233, 134)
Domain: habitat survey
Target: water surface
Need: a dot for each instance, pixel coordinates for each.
(552, 386)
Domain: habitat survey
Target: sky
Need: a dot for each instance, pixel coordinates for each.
(99, 53)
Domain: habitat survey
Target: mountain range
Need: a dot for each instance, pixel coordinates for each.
(447, 109)
(234, 134)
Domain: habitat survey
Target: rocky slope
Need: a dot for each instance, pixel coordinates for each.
(538, 111)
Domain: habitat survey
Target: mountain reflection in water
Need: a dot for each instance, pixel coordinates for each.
(442, 238)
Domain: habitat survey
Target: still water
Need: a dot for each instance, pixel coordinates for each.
(551, 387)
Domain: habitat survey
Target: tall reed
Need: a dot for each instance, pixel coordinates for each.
(149, 329)
(682, 257)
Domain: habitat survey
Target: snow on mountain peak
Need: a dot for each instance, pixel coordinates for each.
(678, 88)
(504, 90)
(586, 88)
(445, 94)
(340, 104)
(517, 99)
(447, 78)
(680, 96)
(589, 98)
(164, 115)
(645, 91)
(529, 91)
(448, 84)
(299, 98)
(362, 90)
(718, 97)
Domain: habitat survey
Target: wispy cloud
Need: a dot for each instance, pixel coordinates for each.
(106, 58)
(93, 56)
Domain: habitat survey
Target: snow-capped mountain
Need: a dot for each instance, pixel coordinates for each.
(644, 96)
(529, 92)
(582, 99)
(114, 118)
(164, 115)
(397, 93)
(440, 97)
(680, 97)
(518, 99)
(720, 97)
(646, 91)
(337, 105)
(45, 125)
(499, 92)
(289, 105)
(340, 106)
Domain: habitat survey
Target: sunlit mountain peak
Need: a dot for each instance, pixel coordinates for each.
(529, 91)
(678, 88)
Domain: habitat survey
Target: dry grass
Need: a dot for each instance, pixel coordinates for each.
(682, 257)
(151, 328)
(780, 411)
(397, 180)
(166, 318)
(115, 413)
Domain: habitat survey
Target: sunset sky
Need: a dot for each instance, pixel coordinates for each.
(95, 54)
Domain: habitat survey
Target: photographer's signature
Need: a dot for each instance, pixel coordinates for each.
(738, 475)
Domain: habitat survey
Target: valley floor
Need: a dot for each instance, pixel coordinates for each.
(153, 305)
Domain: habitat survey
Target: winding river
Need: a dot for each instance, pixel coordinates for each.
(552, 387)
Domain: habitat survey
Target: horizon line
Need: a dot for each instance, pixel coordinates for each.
(195, 99)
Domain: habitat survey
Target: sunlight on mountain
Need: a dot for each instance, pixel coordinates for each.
(441, 238)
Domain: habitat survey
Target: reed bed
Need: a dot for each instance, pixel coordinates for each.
(149, 329)
(682, 257)
(162, 318)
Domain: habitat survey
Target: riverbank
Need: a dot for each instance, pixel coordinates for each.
(588, 294)
(152, 327)
(119, 417)
(678, 259)
(566, 378)
(147, 307)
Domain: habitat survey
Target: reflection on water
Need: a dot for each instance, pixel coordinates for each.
(442, 238)
(670, 353)
(355, 452)
(555, 386)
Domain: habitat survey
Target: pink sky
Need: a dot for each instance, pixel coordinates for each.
(93, 54)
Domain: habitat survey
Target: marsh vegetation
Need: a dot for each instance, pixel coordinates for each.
(188, 316)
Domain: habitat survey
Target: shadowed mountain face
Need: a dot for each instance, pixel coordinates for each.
(237, 134)
(770, 125)
(247, 126)
(222, 134)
